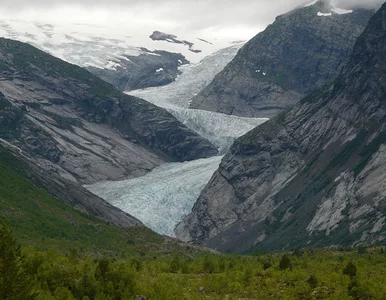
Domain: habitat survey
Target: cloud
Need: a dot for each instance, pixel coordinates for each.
(368, 4)
(239, 18)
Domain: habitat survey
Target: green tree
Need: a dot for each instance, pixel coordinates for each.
(285, 263)
(15, 284)
(312, 281)
(350, 270)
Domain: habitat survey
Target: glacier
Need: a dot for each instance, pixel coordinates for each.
(193, 79)
(163, 197)
(220, 129)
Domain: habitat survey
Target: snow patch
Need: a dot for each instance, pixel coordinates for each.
(112, 65)
(320, 14)
(159, 70)
(341, 11)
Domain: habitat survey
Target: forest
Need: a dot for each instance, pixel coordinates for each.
(28, 273)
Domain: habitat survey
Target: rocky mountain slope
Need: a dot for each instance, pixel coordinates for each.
(149, 69)
(312, 176)
(25, 171)
(81, 128)
(300, 52)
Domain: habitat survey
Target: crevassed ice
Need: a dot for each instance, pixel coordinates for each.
(161, 198)
(218, 128)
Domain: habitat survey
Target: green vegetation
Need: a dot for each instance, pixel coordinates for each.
(39, 219)
(15, 283)
(76, 256)
(316, 274)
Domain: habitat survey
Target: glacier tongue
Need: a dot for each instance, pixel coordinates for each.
(161, 198)
(220, 129)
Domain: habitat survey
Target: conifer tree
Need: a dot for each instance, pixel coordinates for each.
(14, 282)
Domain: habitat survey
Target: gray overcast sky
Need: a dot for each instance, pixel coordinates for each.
(247, 15)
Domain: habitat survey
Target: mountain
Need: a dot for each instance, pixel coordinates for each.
(311, 177)
(300, 52)
(75, 125)
(129, 57)
(42, 221)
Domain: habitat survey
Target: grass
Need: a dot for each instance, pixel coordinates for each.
(39, 219)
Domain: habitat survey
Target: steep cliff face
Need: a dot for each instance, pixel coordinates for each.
(72, 122)
(312, 176)
(300, 52)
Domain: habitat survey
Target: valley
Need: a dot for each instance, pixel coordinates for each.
(151, 152)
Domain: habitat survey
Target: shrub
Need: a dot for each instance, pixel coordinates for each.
(285, 263)
(350, 270)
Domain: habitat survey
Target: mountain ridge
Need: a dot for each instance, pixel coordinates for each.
(82, 127)
(300, 52)
(329, 148)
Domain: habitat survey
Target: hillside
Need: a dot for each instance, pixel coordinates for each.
(297, 54)
(41, 220)
(311, 177)
(80, 127)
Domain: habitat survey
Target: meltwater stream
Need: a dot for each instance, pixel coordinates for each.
(162, 198)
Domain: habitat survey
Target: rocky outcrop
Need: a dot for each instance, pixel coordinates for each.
(153, 68)
(300, 52)
(81, 127)
(171, 38)
(312, 176)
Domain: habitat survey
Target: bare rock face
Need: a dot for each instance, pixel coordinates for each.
(150, 69)
(312, 176)
(81, 127)
(299, 53)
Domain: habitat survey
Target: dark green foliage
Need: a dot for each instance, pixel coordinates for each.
(362, 250)
(357, 292)
(267, 265)
(312, 281)
(285, 262)
(59, 276)
(15, 284)
(209, 264)
(297, 253)
(350, 270)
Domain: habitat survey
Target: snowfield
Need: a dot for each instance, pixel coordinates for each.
(90, 45)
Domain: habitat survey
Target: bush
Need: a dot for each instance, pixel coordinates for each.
(312, 281)
(285, 263)
(350, 270)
